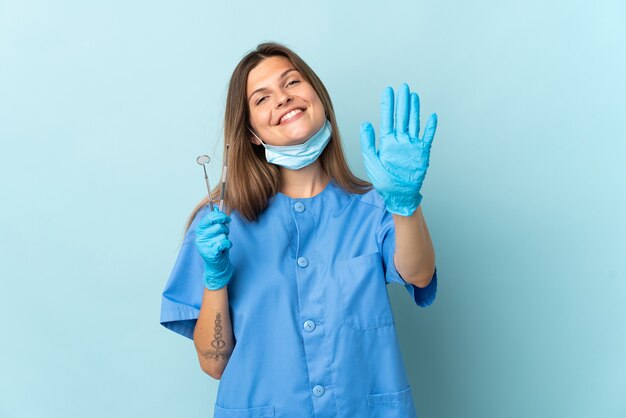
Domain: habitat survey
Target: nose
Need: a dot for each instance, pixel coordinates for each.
(283, 99)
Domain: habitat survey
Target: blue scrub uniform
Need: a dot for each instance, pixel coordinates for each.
(313, 326)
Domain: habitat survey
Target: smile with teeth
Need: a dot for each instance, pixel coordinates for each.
(290, 115)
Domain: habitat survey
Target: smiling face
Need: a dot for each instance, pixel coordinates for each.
(284, 107)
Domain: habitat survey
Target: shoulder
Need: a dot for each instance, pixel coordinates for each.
(370, 198)
(366, 207)
(200, 214)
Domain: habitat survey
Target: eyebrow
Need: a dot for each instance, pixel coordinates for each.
(265, 88)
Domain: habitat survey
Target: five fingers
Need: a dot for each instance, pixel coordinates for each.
(406, 118)
(386, 112)
(212, 232)
(405, 121)
(368, 138)
(402, 109)
(215, 217)
(414, 116)
(429, 131)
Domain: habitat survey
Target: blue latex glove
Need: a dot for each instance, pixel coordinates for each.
(398, 169)
(213, 244)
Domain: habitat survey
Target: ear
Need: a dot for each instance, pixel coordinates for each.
(253, 138)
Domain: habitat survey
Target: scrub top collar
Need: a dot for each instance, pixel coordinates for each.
(332, 197)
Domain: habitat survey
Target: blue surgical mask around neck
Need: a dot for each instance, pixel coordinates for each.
(295, 157)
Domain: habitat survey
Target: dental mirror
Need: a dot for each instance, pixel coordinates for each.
(204, 160)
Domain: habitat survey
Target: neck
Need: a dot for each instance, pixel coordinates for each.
(306, 182)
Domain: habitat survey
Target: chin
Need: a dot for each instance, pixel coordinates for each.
(299, 137)
(303, 134)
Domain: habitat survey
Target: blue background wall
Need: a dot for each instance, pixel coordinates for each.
(105, 105)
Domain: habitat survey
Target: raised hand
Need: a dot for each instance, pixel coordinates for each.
(397, 170)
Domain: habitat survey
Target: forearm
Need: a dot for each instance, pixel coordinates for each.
(415, 255)
(213, 335)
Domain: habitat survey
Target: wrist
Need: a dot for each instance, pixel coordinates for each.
(216, 280)
(403, 205)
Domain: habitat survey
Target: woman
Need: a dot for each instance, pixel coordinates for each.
(285, 299)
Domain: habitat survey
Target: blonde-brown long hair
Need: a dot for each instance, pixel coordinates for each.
(252, 181)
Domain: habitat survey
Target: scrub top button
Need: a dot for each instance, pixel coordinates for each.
(303, 262)
(318, 390)
(309, 325)
(299, 207)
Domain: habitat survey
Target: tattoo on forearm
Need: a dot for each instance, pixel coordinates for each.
(218, 342)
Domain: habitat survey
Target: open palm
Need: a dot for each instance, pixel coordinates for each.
(397, 170)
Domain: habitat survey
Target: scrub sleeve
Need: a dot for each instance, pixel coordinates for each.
(423, 296)
(182, 297)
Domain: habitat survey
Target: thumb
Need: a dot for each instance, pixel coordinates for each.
(368, 138)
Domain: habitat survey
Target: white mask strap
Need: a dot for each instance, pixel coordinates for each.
(256, 136)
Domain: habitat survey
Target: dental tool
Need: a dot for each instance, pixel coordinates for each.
(204, 160)
(224, 170)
